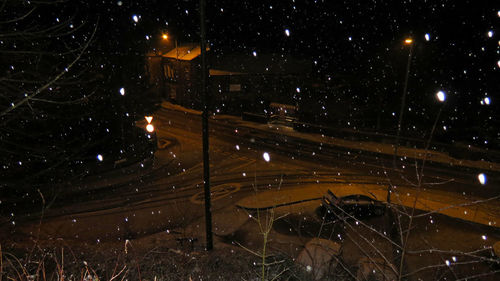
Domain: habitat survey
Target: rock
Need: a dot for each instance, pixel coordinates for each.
(375, 269)
(496, 249)
(317, 257)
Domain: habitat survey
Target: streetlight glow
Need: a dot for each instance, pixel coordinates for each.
(149, 119)
(150, 128)
(164, 36)
(408, 41)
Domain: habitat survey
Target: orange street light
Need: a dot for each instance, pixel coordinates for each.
(164, 36)
(149, 127)
(408, 41)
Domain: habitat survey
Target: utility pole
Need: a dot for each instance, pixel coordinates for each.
(204, 118)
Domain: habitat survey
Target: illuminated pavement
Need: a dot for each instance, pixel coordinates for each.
(482, 210)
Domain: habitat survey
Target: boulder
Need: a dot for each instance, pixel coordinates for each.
(318, 257)
(496, 249)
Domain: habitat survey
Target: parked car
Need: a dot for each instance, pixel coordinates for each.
(355, 205)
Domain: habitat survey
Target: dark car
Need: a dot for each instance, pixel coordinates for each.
(355, 205)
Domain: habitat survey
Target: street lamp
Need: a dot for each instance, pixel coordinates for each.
(408, 42)
(165, 37)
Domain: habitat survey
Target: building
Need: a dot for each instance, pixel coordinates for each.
(267, 84)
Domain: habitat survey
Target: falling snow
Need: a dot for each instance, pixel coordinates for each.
(331, 89)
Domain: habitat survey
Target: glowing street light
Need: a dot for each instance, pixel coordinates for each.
(164, 36)
(149, 127)
(408, 41)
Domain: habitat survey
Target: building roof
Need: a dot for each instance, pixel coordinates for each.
(185, 52)
(219, 72)
(242, 64)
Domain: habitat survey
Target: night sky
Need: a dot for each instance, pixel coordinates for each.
(456, 48)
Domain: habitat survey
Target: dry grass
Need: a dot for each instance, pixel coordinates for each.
(60, 262)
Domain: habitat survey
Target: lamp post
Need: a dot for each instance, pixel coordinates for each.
(408, 42)
(165, 37)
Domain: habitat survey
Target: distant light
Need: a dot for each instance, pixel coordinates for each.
(122, 91)
(164, 36)
(150, 128)
(350, 38)
(427, 37)
(298, 90)
(99, 157)
(441, 96)
(490, 33)
(266, 156)
(408, 41)
(287, 32)
(135, 18)
(119, 3)
(149, 119)
(487, 100)
(254, 53)
(498, 63)
(482, 178)
(237, 147)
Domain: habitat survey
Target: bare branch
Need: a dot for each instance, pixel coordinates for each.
(51, 82)
(18, 18)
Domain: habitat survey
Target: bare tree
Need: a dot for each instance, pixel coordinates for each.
(44, 82)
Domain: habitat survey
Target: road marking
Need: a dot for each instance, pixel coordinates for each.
(217, 192)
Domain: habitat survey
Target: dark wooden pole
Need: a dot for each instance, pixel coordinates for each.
(204, 117)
